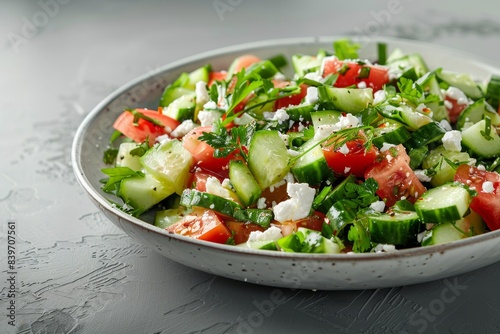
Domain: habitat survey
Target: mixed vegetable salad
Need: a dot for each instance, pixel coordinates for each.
(346, 155)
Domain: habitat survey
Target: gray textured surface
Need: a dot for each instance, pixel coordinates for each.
(77, 273)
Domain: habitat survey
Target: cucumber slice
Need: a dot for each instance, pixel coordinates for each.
(334, 195)
(406, 115)
(417, 156)
(260, 244)
(184, 84)
(312, 167)
(476, 112)
(303, 64)
(444, 172)
(191, 197)
(268, 158)
(244, 183)
(462, 81)
(443, 204)
(350, 100)
(143, 192)
(301, 112)
(170, 163)
(389, 131)
(266, 69)
(125, 159)
(325, 117)
(476, 139)
(182, 108)
(445, 233)
(165, 218)
(426, 134)
(398, 228)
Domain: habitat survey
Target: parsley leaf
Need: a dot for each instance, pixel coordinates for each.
(116, 174)
(110, 155)
(414, 93)
(346, 49)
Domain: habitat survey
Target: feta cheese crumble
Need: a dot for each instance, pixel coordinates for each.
(271, 234)
(488, 187)
(312, 95)
(208, 117)
(452, 140)
(298, 205)
(201, 92)
(183, 128)
(456, 94)
(378, 206)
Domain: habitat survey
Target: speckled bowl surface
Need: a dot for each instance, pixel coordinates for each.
(309, 271)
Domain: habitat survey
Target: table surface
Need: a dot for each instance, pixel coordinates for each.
(77, 273)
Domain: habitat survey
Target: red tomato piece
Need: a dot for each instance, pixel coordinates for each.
(203, 225)
(395, 178)
(203, 154)
(291, 100)
(486, 203)
(241, 231)
(144, 129)
(216, 76)
(455, 109)
(313, 222)
(356, 161)
(352, 73)
(244, 61)
(199, 179)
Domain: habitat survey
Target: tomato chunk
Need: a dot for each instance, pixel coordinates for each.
(454, 109)
(291, 100)
(395, 178)
(487, 201)
(203, 154)
(352, 159)
(144, 128)
(203, 225)
(353, 73)
(241, 231)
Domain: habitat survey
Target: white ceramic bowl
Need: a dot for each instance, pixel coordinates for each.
(310, 271)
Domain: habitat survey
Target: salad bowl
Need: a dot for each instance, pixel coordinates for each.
(272, 268)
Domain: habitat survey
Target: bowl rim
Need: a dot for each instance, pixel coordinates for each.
(238, 48)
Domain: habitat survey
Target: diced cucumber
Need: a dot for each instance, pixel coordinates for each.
(445, 233)
(303, 64)
(200, 74)
(411, 66)
(143, 192)
(301, 113)
(165, 218)
(266, 69)
(191, 197)
(261, 217)
(417, 156)
(184, 84)
(406, 115)
(268, 158)
(260, 244)
(325, 117)
(125, 159)
(438, 108)
(425, 134)
(476, 112)
(350, 100)
(398, 228)
(182, 108)
(335, 194)
(308, 241)
(390, 131)
(170, 163)
(244, 183)
(493, 91)
(443, 204)
(462, 81)
(478, 140)
(443, 171)
(312, 167)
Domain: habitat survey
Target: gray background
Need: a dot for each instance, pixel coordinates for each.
(77, 273)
